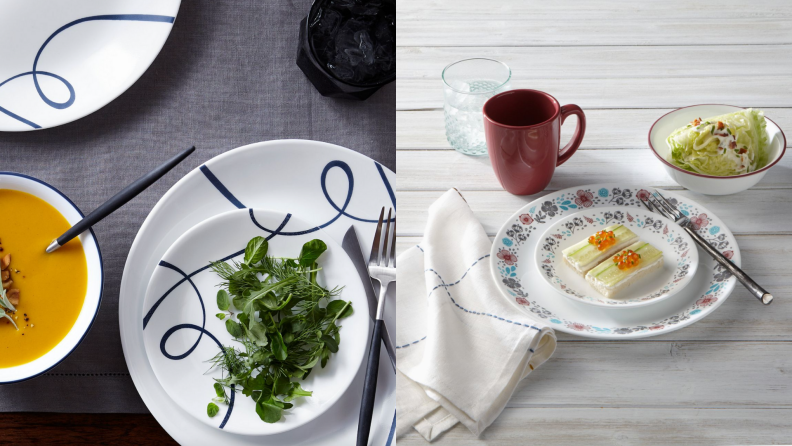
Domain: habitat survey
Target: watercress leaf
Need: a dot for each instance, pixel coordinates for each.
(223, 300)
(296, 391)
(219, 390)
(243, 318)
(256, 250)
(234, 328)
(268, 411)
(287, 405)
(330, 343)
(261, 357)
(212, 410)
(219, 400)
(311, 251)
(288, 338)
(220, 316)
(282, 386)
(339, 307)
(278, 347)
(258, 333)
(325, 356)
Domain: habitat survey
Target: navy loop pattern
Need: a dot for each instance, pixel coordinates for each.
(72, 95)
(203, 331)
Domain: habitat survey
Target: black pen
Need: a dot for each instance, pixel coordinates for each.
(119, 200)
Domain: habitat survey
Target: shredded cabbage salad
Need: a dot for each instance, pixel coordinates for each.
(726, 145)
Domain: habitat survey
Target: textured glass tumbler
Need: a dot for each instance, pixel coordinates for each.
(468, 84)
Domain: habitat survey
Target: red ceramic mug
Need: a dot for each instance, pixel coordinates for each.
(523, 130)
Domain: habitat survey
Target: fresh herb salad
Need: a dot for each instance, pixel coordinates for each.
(284, 321)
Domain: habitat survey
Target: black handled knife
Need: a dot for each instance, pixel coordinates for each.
(351, 245)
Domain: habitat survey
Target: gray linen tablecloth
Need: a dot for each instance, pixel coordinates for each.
(225, 78)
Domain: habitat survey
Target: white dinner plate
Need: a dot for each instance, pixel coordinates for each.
(521, 283)
(324, 184)
(182, 332)
(62, 60)
(680, 258)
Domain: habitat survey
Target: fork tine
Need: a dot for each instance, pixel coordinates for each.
(647, 204)
(384, 251)
(658, 207)
(392, 259)
(666, 205)
(673, 208)
(375, 248)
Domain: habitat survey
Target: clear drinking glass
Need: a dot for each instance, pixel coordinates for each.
(468, 84)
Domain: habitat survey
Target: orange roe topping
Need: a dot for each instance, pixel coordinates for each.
(603, 240)
(627, 259)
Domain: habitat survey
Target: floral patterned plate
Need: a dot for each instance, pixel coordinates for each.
(679, 266)
(522, 283)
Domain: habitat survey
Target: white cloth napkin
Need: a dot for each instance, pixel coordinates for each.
(461, 347)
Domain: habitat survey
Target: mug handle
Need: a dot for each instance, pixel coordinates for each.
(577, 138)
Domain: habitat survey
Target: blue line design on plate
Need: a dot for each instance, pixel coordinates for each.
(203, 309)
(445, 285)
(392, 430)
(72, 96)
(203, 331)
(387, 185)
(220, 187)
(323, 181)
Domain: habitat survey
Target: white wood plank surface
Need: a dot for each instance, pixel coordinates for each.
(654, 62)
(627, 92)
(605, 129)
(726, 379)
(441, 170)
(570, 22)
(625, 426)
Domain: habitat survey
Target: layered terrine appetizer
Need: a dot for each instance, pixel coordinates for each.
(589, 253)
(625, 268)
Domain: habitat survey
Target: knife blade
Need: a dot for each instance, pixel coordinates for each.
(351, 245)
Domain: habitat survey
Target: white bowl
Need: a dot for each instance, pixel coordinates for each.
(93, 296)
(710, 184)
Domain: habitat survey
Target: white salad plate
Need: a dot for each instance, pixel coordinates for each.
(514, 249)
(182, 332)
(680, 256)
(325, 185)
(93, 293)
(709, 184)
(66, 59)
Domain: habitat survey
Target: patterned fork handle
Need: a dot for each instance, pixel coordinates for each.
(758, 292)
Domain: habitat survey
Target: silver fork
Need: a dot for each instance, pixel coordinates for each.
(659, 204)
(382, 266)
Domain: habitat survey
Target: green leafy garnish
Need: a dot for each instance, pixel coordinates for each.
(5, 304)
(223, 301)
(284, 320)
(212, 410)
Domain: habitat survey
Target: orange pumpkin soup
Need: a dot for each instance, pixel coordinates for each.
(51, 287)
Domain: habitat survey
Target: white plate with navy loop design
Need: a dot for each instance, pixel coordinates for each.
(327, 186)
(62, 60)
(182, 332)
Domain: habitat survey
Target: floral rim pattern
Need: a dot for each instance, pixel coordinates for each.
(559, 204)
(674, 238)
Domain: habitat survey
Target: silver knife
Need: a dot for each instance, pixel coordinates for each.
(351, 245)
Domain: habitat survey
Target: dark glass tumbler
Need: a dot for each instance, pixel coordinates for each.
(348, 47)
